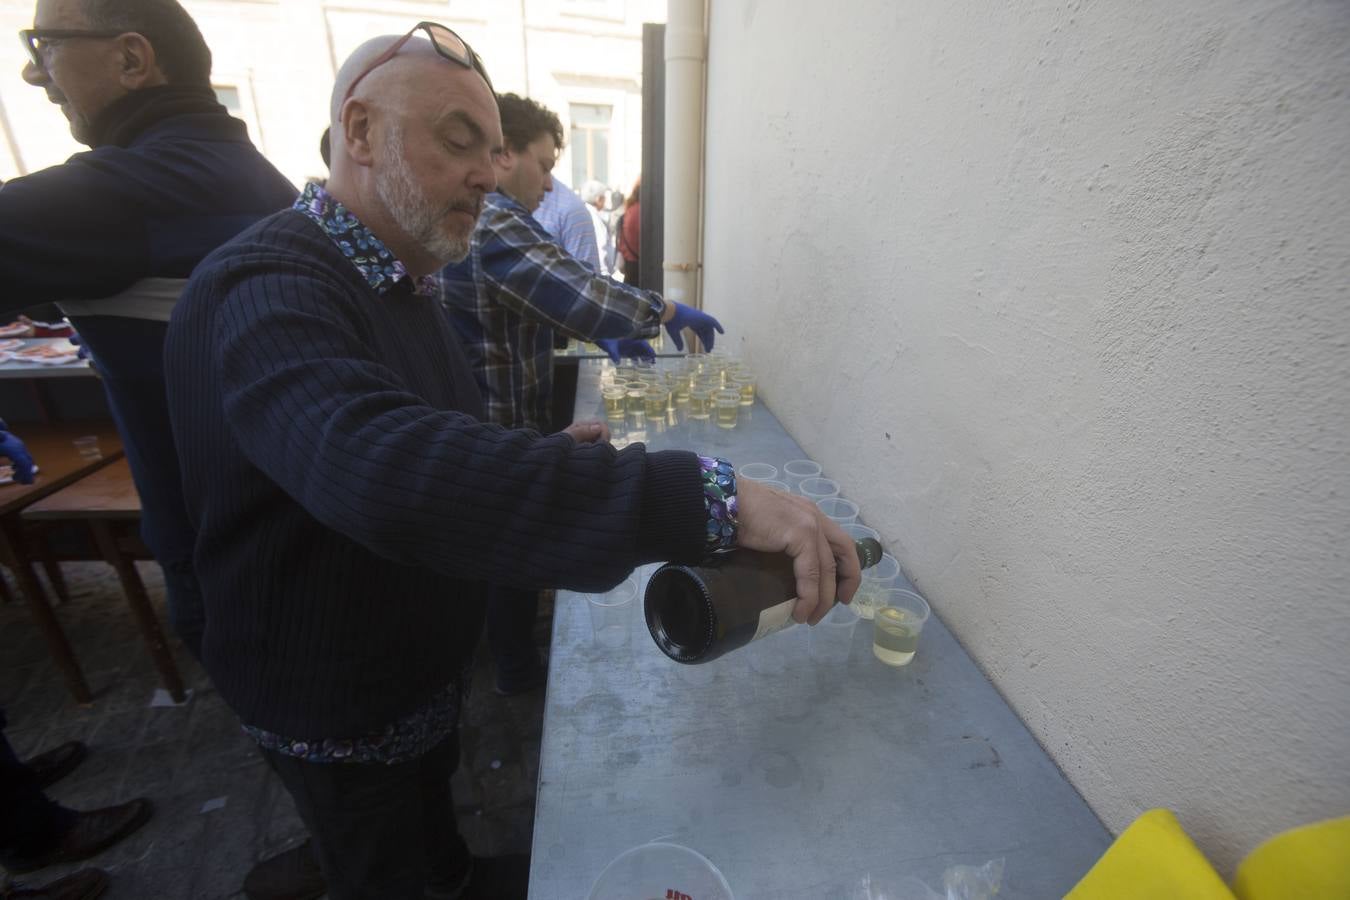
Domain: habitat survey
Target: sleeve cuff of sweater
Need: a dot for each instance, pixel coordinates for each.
(674, 522)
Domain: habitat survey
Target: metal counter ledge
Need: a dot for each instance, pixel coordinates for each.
(799, 785)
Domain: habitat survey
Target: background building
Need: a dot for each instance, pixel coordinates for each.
(275, 61)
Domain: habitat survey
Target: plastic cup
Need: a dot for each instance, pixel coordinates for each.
(700, 402)
(87, 447)
(839, 510)
(777, 486)
(797, 469)
(859, 531)
(830, 639)
(658, 401)
(899, 619)
(874, 581)
(637, 405)
(612, 615)
(745, 383)
(817, 489)
(727, 404)
(757, 472)
(660, 869)
(615, 402)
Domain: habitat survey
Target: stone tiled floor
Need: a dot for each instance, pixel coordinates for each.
(218, 809)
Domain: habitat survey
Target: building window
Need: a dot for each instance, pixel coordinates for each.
(227, 95)
(590, 142)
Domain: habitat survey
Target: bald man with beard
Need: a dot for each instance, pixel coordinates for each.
(349, 504)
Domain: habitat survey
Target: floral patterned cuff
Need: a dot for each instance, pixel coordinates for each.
(719, 499)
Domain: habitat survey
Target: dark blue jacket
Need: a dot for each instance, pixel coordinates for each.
(347, 502)
(152, 207)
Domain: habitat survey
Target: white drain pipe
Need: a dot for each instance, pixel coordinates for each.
(686, 55)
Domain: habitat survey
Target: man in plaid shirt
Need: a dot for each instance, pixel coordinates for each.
(507, 298)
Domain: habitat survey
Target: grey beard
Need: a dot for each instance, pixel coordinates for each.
(399, 193)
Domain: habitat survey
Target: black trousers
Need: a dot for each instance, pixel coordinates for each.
(30, 824)
(381, 832)
(510, 632)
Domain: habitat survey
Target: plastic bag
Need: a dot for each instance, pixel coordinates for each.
(958, 883)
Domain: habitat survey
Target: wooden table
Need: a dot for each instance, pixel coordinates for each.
(60, 464)
(107, 503)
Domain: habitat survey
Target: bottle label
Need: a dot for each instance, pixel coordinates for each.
(774, 619)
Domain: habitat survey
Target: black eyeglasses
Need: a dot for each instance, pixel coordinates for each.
(36, 40)
(448, 44)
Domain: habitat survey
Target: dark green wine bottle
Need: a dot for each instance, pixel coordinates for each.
(698, 613)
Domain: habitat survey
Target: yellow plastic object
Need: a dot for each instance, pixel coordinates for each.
(1310, 861)
(1153, 859)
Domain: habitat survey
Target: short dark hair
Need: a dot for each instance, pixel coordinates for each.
(524, 122)
(180, 49)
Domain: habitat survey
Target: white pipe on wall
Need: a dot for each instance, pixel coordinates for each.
(686, 55)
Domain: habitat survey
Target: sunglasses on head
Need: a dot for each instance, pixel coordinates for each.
(448, 44)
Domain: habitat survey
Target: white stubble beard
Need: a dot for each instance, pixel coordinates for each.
(398, 191)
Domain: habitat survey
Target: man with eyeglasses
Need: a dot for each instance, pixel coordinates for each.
(112, 234)
(349, 504)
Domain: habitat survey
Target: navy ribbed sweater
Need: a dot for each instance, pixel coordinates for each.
(348, 505)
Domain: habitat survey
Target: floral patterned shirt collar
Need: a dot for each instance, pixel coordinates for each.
(377, 265)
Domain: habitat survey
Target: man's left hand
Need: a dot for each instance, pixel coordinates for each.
(628, 348)
(695, 320)
(589, 431)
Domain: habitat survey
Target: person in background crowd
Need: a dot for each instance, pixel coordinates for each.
(594, 194)
(517, 288)
(36, 832)
(563, 215)
(342, 621)
(111, 233)
(629, 239)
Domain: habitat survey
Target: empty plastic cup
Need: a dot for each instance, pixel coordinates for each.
(797, 469)
(815, 489)
(612, 615)
(660, 870)
(757, 472)
(859, 531)
(841, 511)
(830, 639)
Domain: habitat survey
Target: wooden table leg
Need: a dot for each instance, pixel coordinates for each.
(43, 548)
(10, 541)
(139, 601)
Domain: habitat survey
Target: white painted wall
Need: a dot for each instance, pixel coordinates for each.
(1058, 291)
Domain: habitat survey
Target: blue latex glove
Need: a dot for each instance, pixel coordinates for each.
(75, 339)
(699, 322)
(13, 448)
(631, 348)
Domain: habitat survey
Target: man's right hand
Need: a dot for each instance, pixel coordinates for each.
(13, 449)
(823, 555)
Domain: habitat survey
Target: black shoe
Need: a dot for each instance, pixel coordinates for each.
(93, 832)
(292, 874)
(50, 767)
(85, 884)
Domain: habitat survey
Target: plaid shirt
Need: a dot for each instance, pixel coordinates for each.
(509, 295)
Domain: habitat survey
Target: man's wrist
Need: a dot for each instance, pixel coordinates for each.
(719, 500)
(667, 310)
